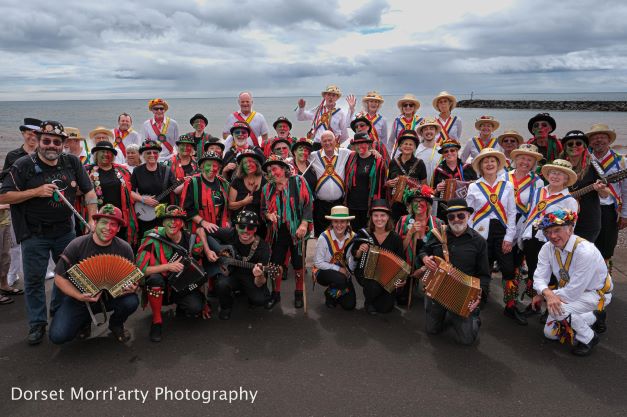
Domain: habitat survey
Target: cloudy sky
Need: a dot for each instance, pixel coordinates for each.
(67, 49)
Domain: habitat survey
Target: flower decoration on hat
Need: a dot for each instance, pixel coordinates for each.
(424, 191)
(556, 218)
(172, 211)
(157, 101)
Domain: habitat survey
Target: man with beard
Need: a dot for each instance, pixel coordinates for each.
(42, 222)
(72, 319)
(124, 136)
(468, 252)
(246, 114)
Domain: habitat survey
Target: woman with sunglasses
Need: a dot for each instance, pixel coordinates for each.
(379, 232)
(509, 141)
(554, 196)
(451, 167)
(361, 124)
(287, 207)
(246, 185)
(149, 180)
(332, 263)
(113, 185)
(494, 218)
(241, 142)
(575, 145)
(407, 120)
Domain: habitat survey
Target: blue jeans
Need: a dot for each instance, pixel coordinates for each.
(73, 315)
(36, 251)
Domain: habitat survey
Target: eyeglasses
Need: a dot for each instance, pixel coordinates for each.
(250, 228)
(573, 143)
(459, 216)
(409, 105)
(239, 131)
(48, 141)
(158, 108)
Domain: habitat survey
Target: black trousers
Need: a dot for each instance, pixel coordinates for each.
(608, 237)
(281, 245)
(334, 279)
(322, 208)
(361, 218)
(225, 285)
(438, 317)
(377, 296)
(191, 303)
(495, 251)
(531, 249)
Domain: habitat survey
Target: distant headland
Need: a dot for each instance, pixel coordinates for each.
(619, 106)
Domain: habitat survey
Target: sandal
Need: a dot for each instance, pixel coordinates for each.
(12, 291)
(5, 300)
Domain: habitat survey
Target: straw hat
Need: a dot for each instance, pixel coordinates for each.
(596, 128)
(333, 89)
(527, 149)
(100, 129)
(563, 166)
(73, 133)
(428, 121)
(372, 95)
(407, 98)
(487, 119)
(156, 101)
(511, 133)
(339, 213)
(485, 152)
(444, 94)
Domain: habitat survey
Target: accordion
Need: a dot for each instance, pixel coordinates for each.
(189, 278)
(455, 189)
(384, 267)
(452, 288)
(112, 273)
(403, 182)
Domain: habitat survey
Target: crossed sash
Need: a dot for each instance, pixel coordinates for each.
(493, 196)
(519, 188)
(446, 127)
(163, 131)
(479, 145)
(329, 173)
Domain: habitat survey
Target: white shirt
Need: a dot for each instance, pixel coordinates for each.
(620, 187)
(477, 200)
(171, 137)
(471, 148)
(455, 129)
(339, 122)
(525, 197)
(587, 269)
(566, 204)
(430, 157)
(258, 125)
(324, 254)
(133, 138)
(329, 191)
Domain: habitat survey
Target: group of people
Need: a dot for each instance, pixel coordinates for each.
(243, 207)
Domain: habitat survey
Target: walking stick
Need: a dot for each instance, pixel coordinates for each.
(304, 255)
(411, 292)
(71, 207)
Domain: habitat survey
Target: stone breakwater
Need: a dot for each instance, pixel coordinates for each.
(619, 106)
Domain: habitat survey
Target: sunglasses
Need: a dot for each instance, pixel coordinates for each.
(241, 228)
(239, 131)
(459, 216)
(48, 141)
(158, 108)
(574, 143)
(409, 105)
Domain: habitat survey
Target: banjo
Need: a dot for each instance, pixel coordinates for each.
(147, 213)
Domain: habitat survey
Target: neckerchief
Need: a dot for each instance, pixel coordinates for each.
(493, 196)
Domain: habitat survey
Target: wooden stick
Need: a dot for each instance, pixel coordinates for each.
(411, 292)
(304, 255)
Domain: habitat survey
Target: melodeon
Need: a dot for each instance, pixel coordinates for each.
(384, 267)
(112, 273)
(189, 278)
(452, 288)
(403, 182)
(454, 188)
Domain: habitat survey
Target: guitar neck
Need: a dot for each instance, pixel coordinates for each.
(238, 263)
(612, 178)
(168, 190)
(585, 190)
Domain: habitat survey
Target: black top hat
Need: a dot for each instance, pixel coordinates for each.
(575, 134)
(248, 218)
(361, 118)
(302, 142)
(104, 145)
(150, 145)
(30, 124)
(279, 140)
(282, 119)
(240, 125)
(186, 138)
(408, 134)
(274, 160)
(249, 153)
(458, 204)
(361, 137)
(50, 127)
(213, 141)
(380, 205)
(539, 118)
(198, 116)
(209, 156)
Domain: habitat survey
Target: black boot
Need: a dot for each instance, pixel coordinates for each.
(298, 299)
(599, 326)
(155, 332)
(329, 301)
(275, 297)
(585, 349)
(225, 314)
(36, 334)
(514, 314)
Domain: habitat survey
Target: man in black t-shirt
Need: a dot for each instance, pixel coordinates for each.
(43, 223)
(29, 134)
(250, 248)
(73, 319)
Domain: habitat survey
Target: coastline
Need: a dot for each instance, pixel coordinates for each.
(574, 105)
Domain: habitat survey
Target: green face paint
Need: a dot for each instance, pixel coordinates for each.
(106, 229)
(208, 168)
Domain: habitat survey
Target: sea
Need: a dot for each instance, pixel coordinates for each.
(87, 114)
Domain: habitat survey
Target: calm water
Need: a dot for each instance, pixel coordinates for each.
(88, 114)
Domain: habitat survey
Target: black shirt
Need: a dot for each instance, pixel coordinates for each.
(10, 159)
(359, 195)
(589, 220)
(414, 168)
(147, 182)
(111, 192)
(392, 242)
(84, 246)
(228, 236)
(242, 192)
(468, 253)
(45, 216)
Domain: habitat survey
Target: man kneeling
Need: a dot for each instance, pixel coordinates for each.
(584, 285)
(72, 319)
